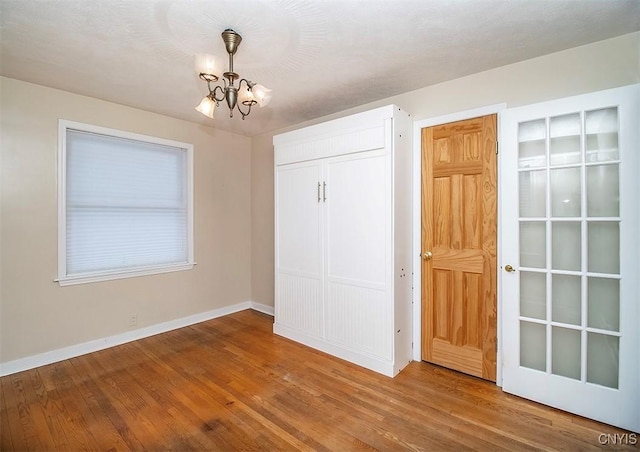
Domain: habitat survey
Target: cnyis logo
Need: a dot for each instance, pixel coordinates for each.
(618, 439)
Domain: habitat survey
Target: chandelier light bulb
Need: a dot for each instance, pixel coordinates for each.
(262, 95)
(205, 64)
(246, 97)
(207, 107)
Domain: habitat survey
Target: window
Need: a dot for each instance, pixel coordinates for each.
(125, 204)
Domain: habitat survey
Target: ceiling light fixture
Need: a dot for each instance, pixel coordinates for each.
(248, 95)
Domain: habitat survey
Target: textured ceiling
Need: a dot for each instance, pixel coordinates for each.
(319, 57)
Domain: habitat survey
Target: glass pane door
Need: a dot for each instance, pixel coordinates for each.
(569, 242)
(569, 181)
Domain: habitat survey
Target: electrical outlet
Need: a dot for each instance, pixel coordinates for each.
(133, 320)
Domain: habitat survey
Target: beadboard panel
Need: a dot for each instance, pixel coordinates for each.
(359, 316)
(299, 303)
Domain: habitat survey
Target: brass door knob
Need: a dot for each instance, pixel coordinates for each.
(509, 268)
(427, 255)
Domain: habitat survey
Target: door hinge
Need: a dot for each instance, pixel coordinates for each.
(497, 148)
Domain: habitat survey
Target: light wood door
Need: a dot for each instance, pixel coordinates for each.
(459, 235)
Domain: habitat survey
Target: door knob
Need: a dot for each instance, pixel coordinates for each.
(509, 268)
(427, 255)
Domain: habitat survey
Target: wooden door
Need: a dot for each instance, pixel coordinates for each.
(459, 235)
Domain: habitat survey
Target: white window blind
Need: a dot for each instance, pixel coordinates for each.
(126, 205)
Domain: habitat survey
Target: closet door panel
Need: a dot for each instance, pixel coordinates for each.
(299, 233)
(357, 233)
(299, 252)
(356, 221)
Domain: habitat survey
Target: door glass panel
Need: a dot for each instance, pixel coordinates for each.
(533, 244)
(533, 345)
(551, 213)
(533, 295)
(533, 193)
(565, 192)
(603, 295)
(531, 148)
(602, 359)
(565, 299)
(564, 143)
(603, 191)
(565, 352)
(604, 247)
(566, 245)
(578, 246)
(602, 135)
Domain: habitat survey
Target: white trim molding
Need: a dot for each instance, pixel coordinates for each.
(417, 226)
(118, 274)
(265, 309)
(54, 356)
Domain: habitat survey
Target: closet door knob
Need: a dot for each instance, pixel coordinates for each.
(427, 255)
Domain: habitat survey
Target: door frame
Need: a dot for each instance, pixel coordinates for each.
(418, 125)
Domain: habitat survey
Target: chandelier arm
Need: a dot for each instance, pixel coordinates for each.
(249, 83)
(242, 112)
(249, 104)
(215, 90)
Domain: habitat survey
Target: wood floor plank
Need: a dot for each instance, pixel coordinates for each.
(33, 417)
(231, 384)
(133, 427)
(7, 418)
(49, 402)
(425, 424)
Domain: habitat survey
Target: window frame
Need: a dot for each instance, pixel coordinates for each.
(90, 277)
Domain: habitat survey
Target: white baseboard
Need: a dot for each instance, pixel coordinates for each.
(53, 356)
(362, 359)
(265, 309)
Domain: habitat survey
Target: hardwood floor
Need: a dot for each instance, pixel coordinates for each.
(231, 384)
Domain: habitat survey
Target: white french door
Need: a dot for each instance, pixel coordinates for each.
(570, 272)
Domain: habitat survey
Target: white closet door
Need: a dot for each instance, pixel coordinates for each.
(358, 228)
(570, 252)
(299, 253)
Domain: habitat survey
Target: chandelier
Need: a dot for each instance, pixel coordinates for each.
(246, 93)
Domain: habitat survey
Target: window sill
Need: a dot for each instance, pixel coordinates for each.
(108, 276)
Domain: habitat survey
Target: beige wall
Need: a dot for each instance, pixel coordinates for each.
(606, 64)
(233, 197)
(262, 226)
(36, 314)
